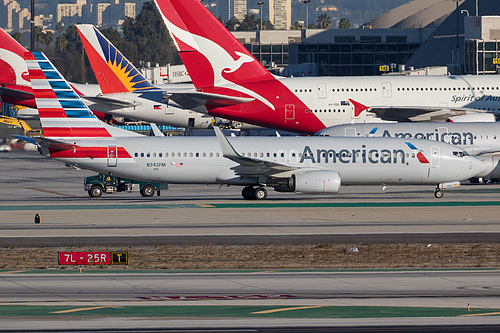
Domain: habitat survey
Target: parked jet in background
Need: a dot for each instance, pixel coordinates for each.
(292, 164)
(220, 66)
(127, 93)
(478, 139)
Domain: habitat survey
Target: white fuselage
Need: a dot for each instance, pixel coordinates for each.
(328, 97)
(481, 138)
(200, 159)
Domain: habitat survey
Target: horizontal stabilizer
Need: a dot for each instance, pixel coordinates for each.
(416, 114)
(193, 99)
(112, 103)
(16, 93)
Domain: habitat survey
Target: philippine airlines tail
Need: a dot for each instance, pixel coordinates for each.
(63, 114)
(211, 54)
(114, 73)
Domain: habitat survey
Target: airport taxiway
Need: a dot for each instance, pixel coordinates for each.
(110, 301)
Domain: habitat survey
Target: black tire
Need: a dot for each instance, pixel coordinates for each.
(438, 194)
(260, 193)
(96, 191)
(248, 193)
(148, 190)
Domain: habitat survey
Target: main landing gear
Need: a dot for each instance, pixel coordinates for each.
(250, 193)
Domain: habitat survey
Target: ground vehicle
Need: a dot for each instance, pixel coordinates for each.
(99, 184)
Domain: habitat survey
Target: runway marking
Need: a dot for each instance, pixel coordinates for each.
(52, 192)
(481, 314)
(289, 309)
(82, 309)
(358, 204)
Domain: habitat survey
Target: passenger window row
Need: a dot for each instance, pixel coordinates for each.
(176, 154)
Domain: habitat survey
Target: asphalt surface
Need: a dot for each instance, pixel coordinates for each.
(399, 301)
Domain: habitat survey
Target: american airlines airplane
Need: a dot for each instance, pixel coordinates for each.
(480, 139)
(220, 66)
(313, 164)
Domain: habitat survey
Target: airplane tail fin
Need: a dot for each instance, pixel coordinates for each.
(114, 72)
(63, 114)
(211, 54)
(12, 65)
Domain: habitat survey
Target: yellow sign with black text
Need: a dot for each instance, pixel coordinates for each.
(384, 68)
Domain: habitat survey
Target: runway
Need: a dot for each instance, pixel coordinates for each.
(319, 301)
(248, 300)
(197, 214)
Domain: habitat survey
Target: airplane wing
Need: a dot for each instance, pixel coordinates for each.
(413, 114)
(248, 166)
(193, 99)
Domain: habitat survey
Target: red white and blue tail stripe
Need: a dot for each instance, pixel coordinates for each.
(62, 113)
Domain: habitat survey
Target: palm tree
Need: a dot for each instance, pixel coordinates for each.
(344, 23)
(323, 21)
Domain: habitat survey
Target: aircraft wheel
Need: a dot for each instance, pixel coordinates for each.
(248, 193)
(438, 194)
(95, 191)
(260, 193)
(148, 190)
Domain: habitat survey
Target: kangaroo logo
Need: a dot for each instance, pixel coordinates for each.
(17, 67)
(220, 60)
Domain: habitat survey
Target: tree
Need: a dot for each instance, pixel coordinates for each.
(344, 23)
(17, 36)
(44, 38)
(232, 24)
(149, 33)
(248, 24)
(323, 21)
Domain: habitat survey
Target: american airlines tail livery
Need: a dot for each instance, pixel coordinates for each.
(293, 164)
(220, 66)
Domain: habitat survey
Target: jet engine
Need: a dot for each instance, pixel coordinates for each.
(310, 182)
(473, 117)
(493, 163)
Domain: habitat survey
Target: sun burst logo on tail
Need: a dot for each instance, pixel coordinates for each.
(123, 69)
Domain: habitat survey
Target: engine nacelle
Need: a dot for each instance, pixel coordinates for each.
(310, 182)
(493, 163)
(473, 117)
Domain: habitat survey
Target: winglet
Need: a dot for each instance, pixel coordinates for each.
(226, 147)
(358, 107)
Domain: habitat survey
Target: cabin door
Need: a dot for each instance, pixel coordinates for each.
(112, 156)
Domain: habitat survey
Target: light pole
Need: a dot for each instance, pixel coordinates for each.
(260, 3)
(307, 12)
(32, 26)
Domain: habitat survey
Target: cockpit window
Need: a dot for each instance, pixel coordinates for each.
(460, 153)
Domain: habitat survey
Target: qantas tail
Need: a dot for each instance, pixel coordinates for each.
(211, 54)
(113, 71)
(63, 115)
(12, 65)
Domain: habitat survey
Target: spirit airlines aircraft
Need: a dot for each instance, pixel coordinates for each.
(220, 66)
(481, 140)
(293, 164)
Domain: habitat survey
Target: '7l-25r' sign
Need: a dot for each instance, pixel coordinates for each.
(93, 258)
